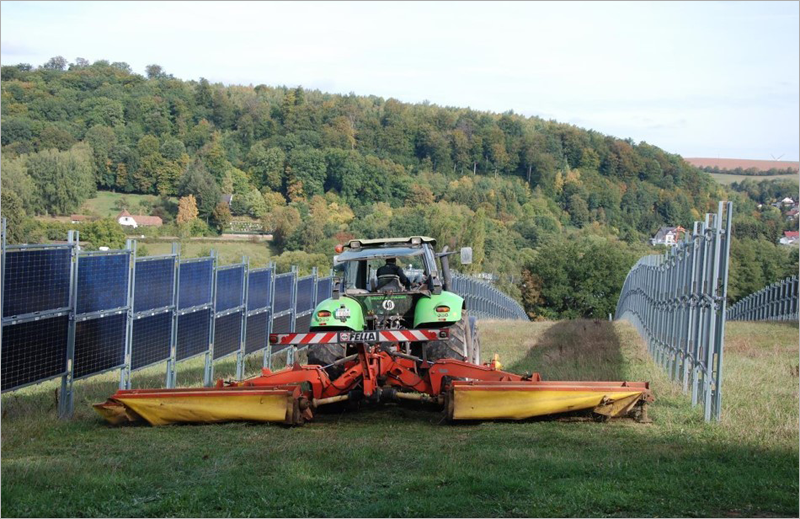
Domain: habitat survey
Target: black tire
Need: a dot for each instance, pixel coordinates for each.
(325, 354)
(457, 344)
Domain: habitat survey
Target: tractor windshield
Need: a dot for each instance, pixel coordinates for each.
(359, 268)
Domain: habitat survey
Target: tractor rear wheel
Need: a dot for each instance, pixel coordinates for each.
(325, 354)
(459, 345)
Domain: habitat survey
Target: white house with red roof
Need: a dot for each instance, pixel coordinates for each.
(669, 236)
(136, 220)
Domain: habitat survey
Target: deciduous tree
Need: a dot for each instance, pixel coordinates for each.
(187, 209)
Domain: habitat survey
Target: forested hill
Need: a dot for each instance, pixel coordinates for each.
(318, 168)
(145, 132)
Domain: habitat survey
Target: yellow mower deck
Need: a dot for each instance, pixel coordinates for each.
(203, 405)
(468, 391)
(514, 401)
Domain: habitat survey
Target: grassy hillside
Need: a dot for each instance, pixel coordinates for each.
(228, 251)
(104, 204)
(402, 460)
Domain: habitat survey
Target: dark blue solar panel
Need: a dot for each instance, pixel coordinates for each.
(151, 337)
(36, 280)
(282, 324)
(227, 333)
(302, 324)
(193, 334)
(102, 282)
(99, 345)
(283, 292)
(256, 332)
(33, 351)
(154, 284)
(258, 287)
(324, 286)
(229, 288)
(195, 283)
(305, 294)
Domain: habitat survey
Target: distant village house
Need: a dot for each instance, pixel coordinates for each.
(790, 237)
(669, 236)
(137, 220)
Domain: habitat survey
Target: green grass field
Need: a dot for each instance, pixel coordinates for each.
(228, 251)
(103, 204)
(726, 179)
(405, 461)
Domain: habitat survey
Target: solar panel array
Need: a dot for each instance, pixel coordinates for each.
(109, 310)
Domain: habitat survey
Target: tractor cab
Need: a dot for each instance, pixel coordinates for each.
(363, 300)
(358, 269)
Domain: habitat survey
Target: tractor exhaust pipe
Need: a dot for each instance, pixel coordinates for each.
(447, 280)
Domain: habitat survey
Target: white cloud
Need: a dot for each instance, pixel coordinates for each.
(729, 71)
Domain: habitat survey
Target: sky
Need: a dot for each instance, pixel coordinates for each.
(715, 79)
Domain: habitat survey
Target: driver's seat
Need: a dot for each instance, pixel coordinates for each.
(388, 283)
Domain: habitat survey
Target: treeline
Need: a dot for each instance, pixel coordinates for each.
(320, 168)
(753, 172)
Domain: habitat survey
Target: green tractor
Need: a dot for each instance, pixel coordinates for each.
(365, 301)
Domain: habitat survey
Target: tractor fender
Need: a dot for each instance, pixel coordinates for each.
(344, 313)
(425, 312)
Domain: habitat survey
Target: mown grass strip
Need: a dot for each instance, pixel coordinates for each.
(402, 460)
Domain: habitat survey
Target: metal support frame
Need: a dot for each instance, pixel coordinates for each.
(66, 402)
(172, 371)
(208, 373)
(267, 362)
(243, 328)
(125, 372)
(293, 307)
(775, 302)
(677, 303)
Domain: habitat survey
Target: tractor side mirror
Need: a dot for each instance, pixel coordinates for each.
(466, 255)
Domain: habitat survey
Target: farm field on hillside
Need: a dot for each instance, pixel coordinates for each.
(103, 203)
(763, 165)
(403, 460)
(726, 179)
(229, 251)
